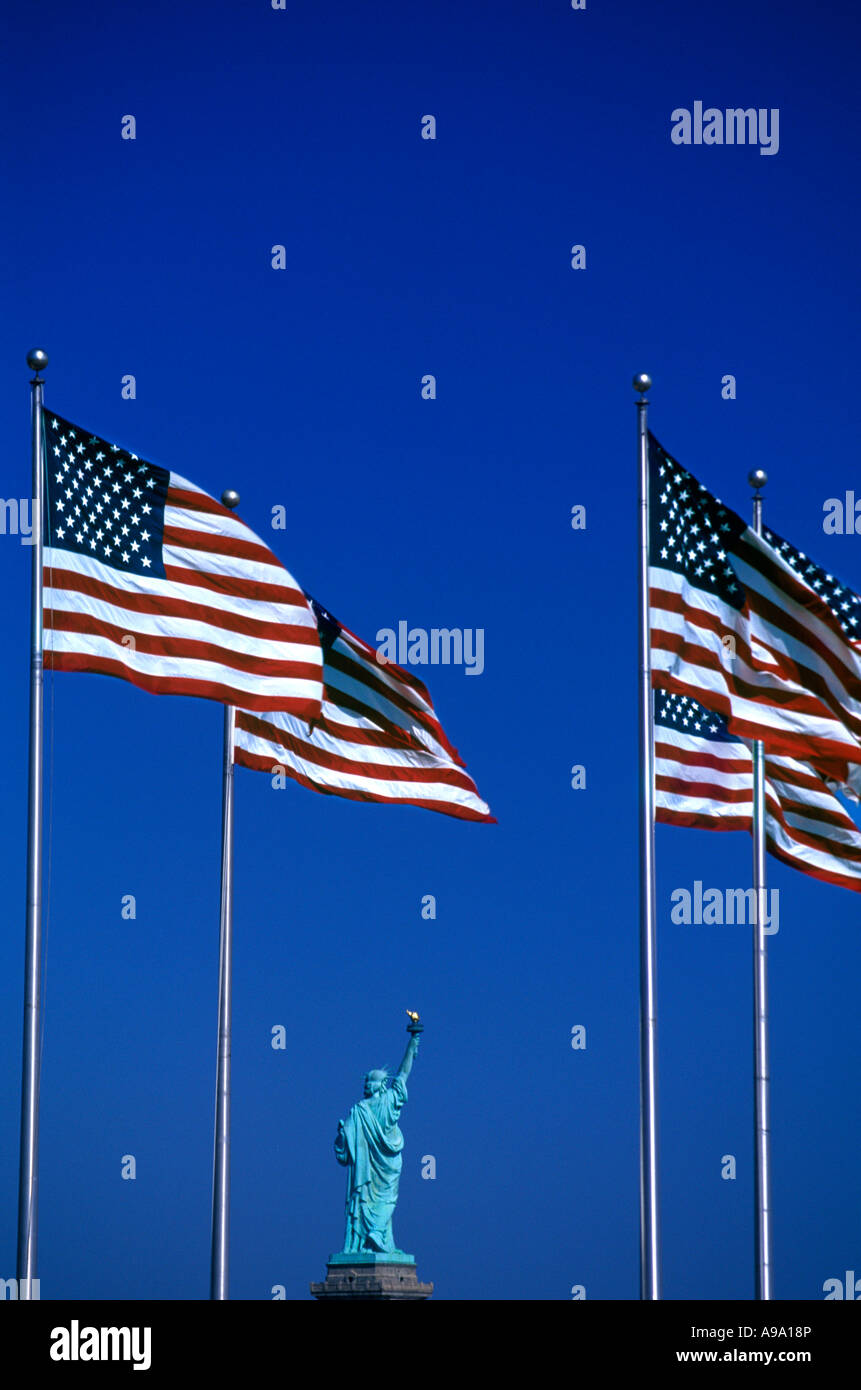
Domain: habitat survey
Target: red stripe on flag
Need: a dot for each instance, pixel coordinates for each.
(232, 586)
(157, 605)
(173, 685)
(59, 620)
(451, 808)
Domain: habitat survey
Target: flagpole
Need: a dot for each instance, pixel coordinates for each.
(219, 1273)
(762, 1100)
(650, 1238)
(28, 1172)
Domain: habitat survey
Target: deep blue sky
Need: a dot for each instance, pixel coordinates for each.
(302, 388)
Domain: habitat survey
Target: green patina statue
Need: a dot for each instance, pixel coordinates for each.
(369, 1144)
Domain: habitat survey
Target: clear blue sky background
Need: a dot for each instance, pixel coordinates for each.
(302, 388)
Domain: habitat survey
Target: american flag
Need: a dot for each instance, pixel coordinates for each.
(378, 738)
(750, 626)
(148, 578)
(704, 777)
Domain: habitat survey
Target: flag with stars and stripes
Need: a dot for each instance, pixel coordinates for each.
(378, 737)
(750, 626)
(704, 777)
(148, 578)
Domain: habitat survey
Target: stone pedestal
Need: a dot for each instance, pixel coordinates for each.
(367, 1276)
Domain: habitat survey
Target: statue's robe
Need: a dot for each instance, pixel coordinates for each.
(369, 1146)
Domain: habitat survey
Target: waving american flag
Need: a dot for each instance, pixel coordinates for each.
(378, 737)
(704, 778)
(148, 578)
(751, 626)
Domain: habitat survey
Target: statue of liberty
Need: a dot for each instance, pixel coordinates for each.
(369, 1144)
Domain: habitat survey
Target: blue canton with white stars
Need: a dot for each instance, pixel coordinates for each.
(682, 713)
(844, 604)
(103, 501)
(691, 531)
(328, 628)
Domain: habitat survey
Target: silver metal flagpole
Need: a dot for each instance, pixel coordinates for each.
(28, 1173)
(219, 1275)
(762, 1102)
(650, 1237)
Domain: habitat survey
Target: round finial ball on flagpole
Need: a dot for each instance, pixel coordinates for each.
(642, 382)
(37, 360)
(230, 499)
(757, 477)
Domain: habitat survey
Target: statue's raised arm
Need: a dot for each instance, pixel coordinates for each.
(415, 1029)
